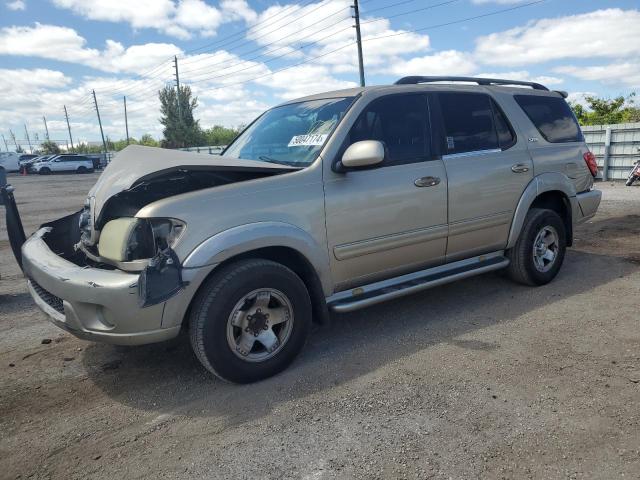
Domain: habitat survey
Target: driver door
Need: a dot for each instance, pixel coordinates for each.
(391, 219)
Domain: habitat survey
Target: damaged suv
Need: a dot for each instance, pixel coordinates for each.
(331, 202)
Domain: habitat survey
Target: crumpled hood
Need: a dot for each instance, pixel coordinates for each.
(137, 164)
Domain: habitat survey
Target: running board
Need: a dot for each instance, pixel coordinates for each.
(415, 282)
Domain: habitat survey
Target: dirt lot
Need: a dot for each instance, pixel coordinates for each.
(481, 378)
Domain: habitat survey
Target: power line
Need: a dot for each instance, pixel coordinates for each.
(260, 25)
(276, 42)
(279, 70)
(273, 59)
(446, 24)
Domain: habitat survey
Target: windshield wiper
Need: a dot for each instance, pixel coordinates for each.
(264, 158)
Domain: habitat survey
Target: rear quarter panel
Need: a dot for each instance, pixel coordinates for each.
(564, 158)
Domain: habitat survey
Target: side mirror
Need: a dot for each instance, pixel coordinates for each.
(366, 153)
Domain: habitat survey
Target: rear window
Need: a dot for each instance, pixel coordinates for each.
(473, 122)
(552, 116)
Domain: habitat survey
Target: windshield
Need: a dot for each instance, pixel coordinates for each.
(291, 134)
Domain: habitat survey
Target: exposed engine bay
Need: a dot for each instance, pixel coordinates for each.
(119, 240)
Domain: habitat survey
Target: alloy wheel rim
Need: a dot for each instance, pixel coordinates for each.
(545, 248)
(260, 325)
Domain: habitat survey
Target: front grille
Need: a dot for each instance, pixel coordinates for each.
(49, 298)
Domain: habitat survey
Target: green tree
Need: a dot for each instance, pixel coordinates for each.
(219, 135)
(604, 111)
(181, 129)
(86, 148)
(148, 141)
(49, 148)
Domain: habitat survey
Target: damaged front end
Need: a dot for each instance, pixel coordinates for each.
(106, 274)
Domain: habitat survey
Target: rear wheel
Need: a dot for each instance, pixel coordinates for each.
(539, 252)
(45, 171)
(81, 170)
(250, 320)
(630, 180)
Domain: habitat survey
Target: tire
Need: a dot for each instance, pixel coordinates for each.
(81, 170)
(229, 294)
(630, 181)
(533, 267)
(44, 171)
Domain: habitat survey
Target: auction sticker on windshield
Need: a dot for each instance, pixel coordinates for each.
(308, 140)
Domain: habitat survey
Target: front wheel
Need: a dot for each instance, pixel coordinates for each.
(630, 180)
(250, 320)
(539, 252)
(44, 171)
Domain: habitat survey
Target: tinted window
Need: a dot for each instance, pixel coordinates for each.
(506, 137)
(401, 123)
(552, 117)
(468, 122)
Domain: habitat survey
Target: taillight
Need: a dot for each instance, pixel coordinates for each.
(590, 160)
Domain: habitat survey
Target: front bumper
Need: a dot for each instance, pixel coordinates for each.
(96, 304)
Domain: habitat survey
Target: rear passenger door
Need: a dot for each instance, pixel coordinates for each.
(488, 167)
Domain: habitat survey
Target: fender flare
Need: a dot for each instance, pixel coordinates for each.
(245, 238)
(545, 182)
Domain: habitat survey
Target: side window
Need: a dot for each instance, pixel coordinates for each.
(552, 117)
(401, 122)
(506, 137)
(468, 122)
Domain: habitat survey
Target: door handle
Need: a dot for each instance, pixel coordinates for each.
(427, 181)
(520, 168)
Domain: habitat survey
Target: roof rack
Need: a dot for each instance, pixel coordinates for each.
(480, 81)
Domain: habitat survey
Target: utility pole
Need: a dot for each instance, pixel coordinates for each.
(68, 126)
(28, 139)
(14, 139)
(6, 147)
(104, 144)
(175, 60)
(46, 129)
(356, 15)
(126, 121)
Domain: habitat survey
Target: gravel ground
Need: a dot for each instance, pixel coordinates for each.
(481, 378)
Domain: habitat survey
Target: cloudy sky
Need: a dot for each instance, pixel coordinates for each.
(243, 56)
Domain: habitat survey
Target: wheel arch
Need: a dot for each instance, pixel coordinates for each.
(549, 190)
(282, 243)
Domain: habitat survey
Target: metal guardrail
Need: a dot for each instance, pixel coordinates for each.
(615, 147)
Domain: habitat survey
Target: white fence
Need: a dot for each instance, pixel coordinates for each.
(615, 147)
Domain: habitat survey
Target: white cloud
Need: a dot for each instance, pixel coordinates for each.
(238, 10)
(448, 62)
(524, 75)
(197, 15)
(16, 5)
(178, 19)
(602, 33)
(320, 28)
(624, 73)
(304, 80)
(64, 44)
(580, 97)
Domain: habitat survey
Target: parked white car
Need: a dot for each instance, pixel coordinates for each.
(63, 163)
(9, 161)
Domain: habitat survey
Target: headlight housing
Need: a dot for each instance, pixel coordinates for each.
(128, 239)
